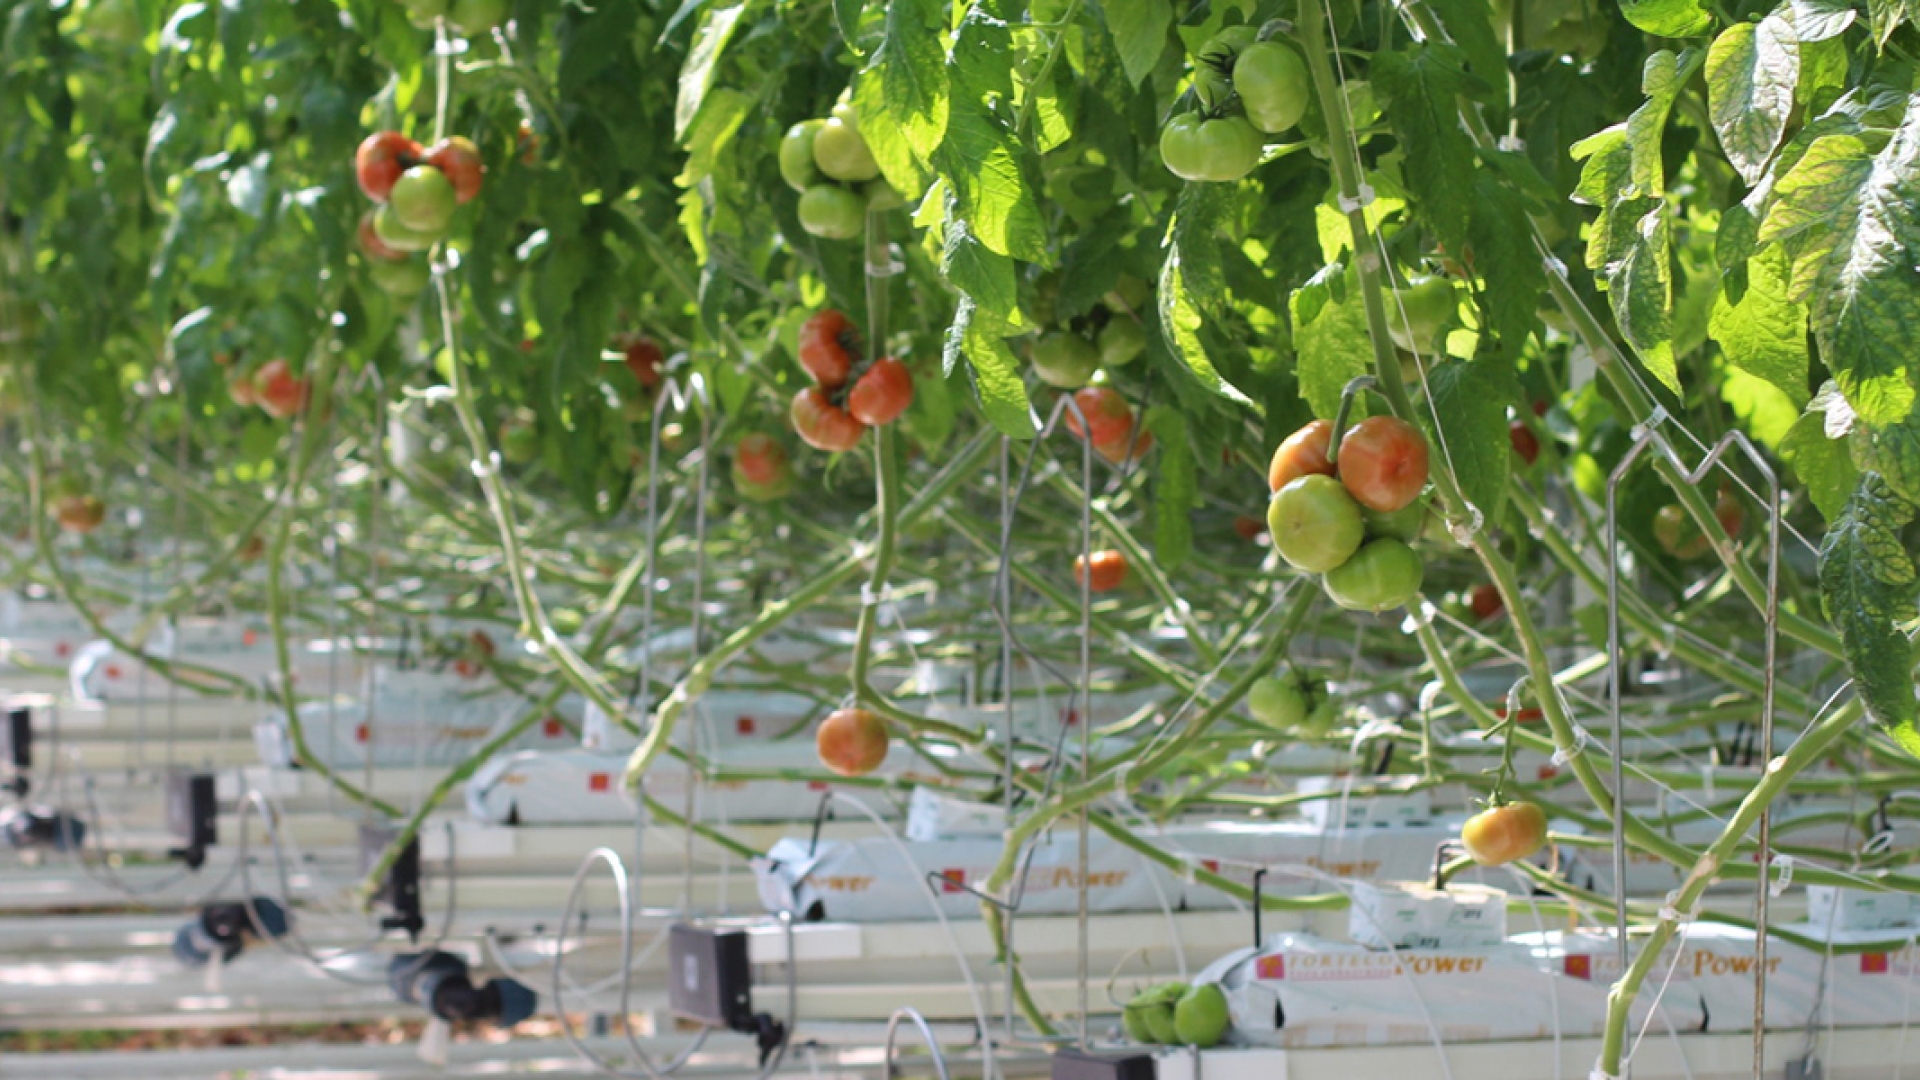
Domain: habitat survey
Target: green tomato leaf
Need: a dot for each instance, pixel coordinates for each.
(1193, 283)
(1330, 338)
(1420, 90)
(1176, 488)
(996, 371)
(713, 129)
(1668, 18)
(1821, 20)
(1139, 29)
(980, 155)
(710, 39)
(1892, 451)
(1820, 462)
(1640, 285)
(913, 73)
(1504, 255)
(1470, 401)
(986, 277)
(1751, 73)
(1850, 220)
(1762, 332)
(1867, 583)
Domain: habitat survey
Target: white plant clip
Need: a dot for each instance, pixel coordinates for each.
(1360, 201)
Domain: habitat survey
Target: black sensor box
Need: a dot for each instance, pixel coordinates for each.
(709, 978)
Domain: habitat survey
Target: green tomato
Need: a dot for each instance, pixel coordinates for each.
(1314, 523)
(1272, 82)
(1213, 65)
(423, 199)
(1404, 524)
(476, 17)
(840, 152)
(1418, 313)
(1129, 294)
(1381, 576)
(395, 234)
(401, 280)
(832, 212)
(1064, 359)
(1278, 702)
(1201, 1017)
(881, 196)
(1155, 1009)
(1122, 341)
(1221, 151)
(796, 155)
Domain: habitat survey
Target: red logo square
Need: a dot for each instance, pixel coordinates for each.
(816, 785)
(1212, 866)
(743, 725)
(551, 727)
(599, 781)
(360, 733)
(1874, 963)
(1579, 967)
(951, 880)
(1270, 967)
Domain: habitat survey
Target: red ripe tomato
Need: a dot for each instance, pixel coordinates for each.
(882, 394)
(1248, 527)
(1103, 572)
(372, 246)
(459, 159)
(852, 742)
(382, 157)
(823, 348)
(761, 470)
(1109, 419)
(481, 642)
(1383, 463)
(1503, 834)
(645, 359)
(823, 425)
(1525, 442)
(1485, 602)
(240, 389)
(278, 390)
(1300, 454)
(1127, 448)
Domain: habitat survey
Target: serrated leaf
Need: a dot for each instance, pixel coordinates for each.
(1193, 284)
(980, 155)
(1504, 255)
(996, 371)
(913, 72)
(1176, 491)
(1668, 18)
(1331, 343)
(1892, 451)
(1420, 90)
(1886, 16)
(710, 40)
(1751, 73)
(1850, 219)
(1139, 29)
(1640, 288)
(1822, 464)
(885, 139)
(720, 117)
(986, 277)
(1763, 332)
(1470, 401)
(1867, 583)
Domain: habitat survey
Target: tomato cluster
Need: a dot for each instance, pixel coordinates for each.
(418, 190)
(832, 414)
(1110, 336)
(1354, 522)
(1247, 88)
(274, 388)
(830, 165)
